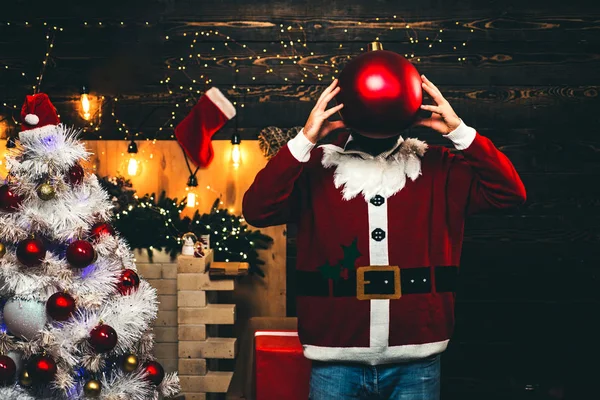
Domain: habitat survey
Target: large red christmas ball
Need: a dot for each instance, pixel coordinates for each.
(80, 254)
(60, 306)
(128, 282)
(381, 92)
(9, 200)
(31, 252)
(41, 368)
(8, 369)
(101, 228)
(75, 174)
(103, 338)
(154, 372)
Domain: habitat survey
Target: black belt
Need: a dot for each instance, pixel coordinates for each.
(378, 282)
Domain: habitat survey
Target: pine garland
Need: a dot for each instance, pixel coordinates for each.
(155, 223)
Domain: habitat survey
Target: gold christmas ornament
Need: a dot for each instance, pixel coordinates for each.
(130, 363)
(92, 388)
(46, 191)
(25, 379)
(2, 250)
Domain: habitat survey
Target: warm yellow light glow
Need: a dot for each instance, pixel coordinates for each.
(85, 106)
(191, 199)
(132, 167)
(236, 155)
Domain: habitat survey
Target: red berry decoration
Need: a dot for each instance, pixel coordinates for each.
(9, 200)
(102, 228)
(128, 282)
(103, 338)
(8, 369)
(154, 372)
(60, 306)
(75, 174)
(42, 369)
(80, 254)
(381, 92)
(31, 252)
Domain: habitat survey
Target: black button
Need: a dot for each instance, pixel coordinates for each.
(377, 200)
(378, 234)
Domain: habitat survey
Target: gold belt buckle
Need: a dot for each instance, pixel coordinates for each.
(361, 283)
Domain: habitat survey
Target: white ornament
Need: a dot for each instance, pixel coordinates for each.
(189, 241)
(32, 119)
(25, 318)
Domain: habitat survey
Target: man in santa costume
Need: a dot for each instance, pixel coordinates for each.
(380, 230)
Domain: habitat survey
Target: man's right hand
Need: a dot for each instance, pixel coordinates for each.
(318, 126)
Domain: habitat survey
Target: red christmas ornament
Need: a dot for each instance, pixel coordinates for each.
(381, 92)
(8, 369)
(154, 372)
(9, 200)
(41, 368)
(101, 228)
(60, 306)
(128, 282)
(103, 338)
(75, 174)
(80, 254)
(31, 252)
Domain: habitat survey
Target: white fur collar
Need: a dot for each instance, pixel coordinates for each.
(385, 175)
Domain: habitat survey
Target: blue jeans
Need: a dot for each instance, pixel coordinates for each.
(419, 380)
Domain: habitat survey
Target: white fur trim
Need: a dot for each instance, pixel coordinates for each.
(462, 137)
(35, 132)
(358, 172)
(300, 147)
(375, 355)
(219, 99)
(32, 119)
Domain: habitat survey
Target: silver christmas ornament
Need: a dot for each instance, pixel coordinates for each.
(24, 318)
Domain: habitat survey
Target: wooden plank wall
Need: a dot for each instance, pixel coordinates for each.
(527, 78)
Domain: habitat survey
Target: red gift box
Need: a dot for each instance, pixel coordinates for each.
(282, 371)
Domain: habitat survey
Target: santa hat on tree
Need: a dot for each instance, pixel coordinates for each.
(38, 114)
(195, 132)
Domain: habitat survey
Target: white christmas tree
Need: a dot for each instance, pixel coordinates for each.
(75, 317)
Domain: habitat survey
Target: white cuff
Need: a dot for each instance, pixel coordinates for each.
(462, 137)
(300, 147)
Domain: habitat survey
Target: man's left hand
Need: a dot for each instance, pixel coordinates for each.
(443, 118)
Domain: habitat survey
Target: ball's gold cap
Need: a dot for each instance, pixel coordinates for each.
(375, 46)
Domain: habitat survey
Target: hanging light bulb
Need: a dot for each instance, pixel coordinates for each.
(236, 152)
(133, 165)
(192, 196)
(85, 103)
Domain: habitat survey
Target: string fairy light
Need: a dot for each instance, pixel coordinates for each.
(291, 48)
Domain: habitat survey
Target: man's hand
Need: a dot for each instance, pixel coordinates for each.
(443, 118)
(317, 126)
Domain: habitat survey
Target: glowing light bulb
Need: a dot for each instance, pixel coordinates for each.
(191, 200)
(236, 155)
(236, 152)
(132, 166)
(85, 106)
(85, 103)
(191, 196)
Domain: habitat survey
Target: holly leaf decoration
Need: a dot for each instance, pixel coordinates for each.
(351, 254)
(330, 271)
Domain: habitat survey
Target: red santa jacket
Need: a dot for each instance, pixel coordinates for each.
(369, 227)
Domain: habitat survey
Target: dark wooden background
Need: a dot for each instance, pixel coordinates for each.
(527, 313)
